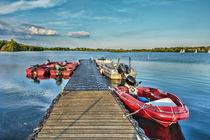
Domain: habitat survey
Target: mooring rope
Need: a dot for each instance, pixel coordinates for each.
(143, 108)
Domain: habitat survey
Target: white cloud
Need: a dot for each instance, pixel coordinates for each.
(26, 5)
(79, 34)
(122, 10)
(41, 31)
(28, 30)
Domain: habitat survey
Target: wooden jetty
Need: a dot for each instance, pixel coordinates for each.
(87, 110)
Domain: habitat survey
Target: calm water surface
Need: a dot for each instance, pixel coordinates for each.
(23, 102)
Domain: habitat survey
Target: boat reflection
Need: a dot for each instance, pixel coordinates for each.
(152, 129)
(114, 83)
(37, 79)
(156, 131)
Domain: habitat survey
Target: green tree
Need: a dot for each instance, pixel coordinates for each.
(2, 43)
(11, 46)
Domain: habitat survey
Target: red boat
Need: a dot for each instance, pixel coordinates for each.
(64, 68)
(152, 104)
(64, 64)
(66, 72)
(55, 76)
(37, 77)
(39, 70)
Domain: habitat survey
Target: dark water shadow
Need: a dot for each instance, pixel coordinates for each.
(156, 131)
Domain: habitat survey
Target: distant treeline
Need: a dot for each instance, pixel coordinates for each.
(172, 49)
(12, 46)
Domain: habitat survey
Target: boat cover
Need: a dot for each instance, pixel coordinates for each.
(162, 102)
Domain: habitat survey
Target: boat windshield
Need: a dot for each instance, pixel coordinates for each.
(110, 66)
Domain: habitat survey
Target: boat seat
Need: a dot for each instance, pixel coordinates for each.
(162, 102)
(110, 65)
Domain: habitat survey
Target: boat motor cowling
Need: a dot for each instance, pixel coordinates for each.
(102, 58)
(130, 81)
(128, 70)
(65, 62)
(121, 68)
(47, 62)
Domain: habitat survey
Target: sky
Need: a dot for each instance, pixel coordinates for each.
(128, 24)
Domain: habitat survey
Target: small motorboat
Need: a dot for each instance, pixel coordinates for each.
(117, 71)
(152, 104)
(102, 61)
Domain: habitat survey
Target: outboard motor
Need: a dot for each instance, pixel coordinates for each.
(65, 62)
(121, 68)
(102, 58)
(47, 62)
(34, 69)
(57, 66)
(128, 70)
(130, 81)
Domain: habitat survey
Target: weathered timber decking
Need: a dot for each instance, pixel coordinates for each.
(87, 110)
(86, 77)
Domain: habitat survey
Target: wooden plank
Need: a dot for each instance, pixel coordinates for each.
(81, 117)
(90, 112)
(87, 123)
(88, 135)
(89, 131)
(76, 138)
(88, 104)
(84, 121)
(89, 127)
(70, 106)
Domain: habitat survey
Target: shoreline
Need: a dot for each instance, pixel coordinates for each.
(13, 46)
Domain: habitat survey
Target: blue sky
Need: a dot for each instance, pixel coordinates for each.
(106, 23)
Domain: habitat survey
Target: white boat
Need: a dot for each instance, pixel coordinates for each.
(196, 51)
(182, 51)
(102, 61)
(117, 71)
(209, 51)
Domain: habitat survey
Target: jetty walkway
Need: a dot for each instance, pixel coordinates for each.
(87, 109)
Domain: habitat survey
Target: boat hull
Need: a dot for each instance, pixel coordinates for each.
(39, 71)
(49, 69)
(102, 62)
(114, 74)
(164, 115)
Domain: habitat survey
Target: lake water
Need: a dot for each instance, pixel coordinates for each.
(23, 102)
